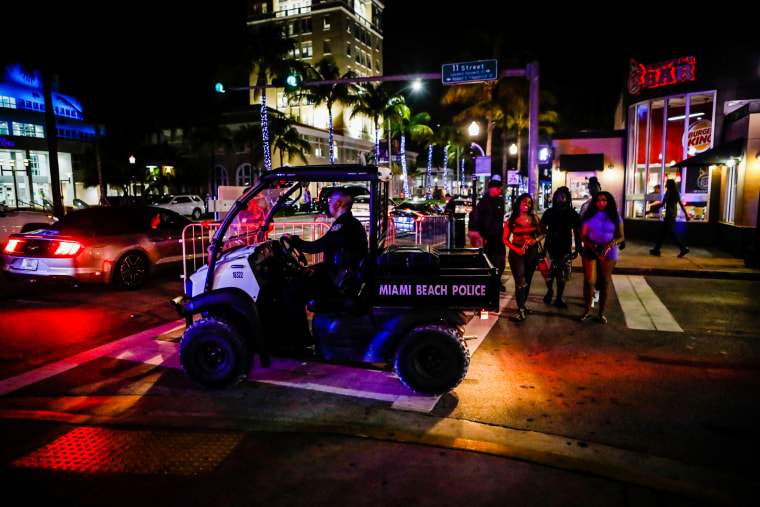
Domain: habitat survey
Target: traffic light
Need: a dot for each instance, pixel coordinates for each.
(292, 81)
(219, 88)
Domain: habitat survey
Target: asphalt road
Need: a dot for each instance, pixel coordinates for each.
(596, 402)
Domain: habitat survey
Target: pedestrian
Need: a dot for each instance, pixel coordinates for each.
(522, 233)
(450, 206)
(472, 229)
(562, 225)
(490, 225)
(593, 187)
(307, 199)
(672, 201)
(602, 233)
(654, 207)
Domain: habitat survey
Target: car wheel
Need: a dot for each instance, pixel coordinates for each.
(197, 214)
(214, 353)
(131, 270)
(432, 360)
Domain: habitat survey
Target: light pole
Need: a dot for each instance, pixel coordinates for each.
(132, 161)
(514, 150)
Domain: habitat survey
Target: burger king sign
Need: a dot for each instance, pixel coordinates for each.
(699, 137)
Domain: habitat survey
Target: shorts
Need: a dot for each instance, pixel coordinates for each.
(561, 267)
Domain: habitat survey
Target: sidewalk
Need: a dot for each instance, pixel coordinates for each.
(701, 262)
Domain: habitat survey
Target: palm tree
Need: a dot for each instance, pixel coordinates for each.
(512, 117)
(478, 101)
(249, 136)
(329, 93)
(287, 140)
(269, 53)
(404, 124)
(207, 137)
(373, 101)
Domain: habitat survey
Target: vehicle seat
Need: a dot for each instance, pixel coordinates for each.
(352, 296)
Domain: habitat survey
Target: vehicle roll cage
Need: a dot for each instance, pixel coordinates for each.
(299, 175)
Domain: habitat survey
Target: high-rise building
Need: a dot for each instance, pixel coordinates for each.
(348, 31)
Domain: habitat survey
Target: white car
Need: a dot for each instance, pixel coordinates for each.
(14, 221)
(187, 205)
(360, 208)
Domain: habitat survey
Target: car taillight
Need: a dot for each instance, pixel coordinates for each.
(67, 249)
(11, 246)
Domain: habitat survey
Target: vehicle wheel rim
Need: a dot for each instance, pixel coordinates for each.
(212, 357)
(429, 362)
(132, 270)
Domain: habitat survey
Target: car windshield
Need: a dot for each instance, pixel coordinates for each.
(162, 200)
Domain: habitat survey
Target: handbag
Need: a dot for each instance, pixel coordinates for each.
(543, 262)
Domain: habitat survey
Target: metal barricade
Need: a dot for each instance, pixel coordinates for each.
(196, 238)
(431, 230)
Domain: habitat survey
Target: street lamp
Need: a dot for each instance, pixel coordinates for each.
(473, 129)
(132, 161)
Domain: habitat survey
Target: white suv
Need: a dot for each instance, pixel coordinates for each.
(188, 205)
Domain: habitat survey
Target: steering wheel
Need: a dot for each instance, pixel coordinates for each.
(292, 253)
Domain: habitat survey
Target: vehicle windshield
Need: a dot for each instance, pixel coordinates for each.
(162, 200)
(247, 226)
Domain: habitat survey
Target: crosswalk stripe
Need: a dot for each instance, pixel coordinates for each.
(641, 306)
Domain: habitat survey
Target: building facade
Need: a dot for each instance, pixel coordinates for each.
(24, 159)
(350, 33)
(694, 119)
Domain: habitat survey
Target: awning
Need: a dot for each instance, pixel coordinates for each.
(585, 162)
(719, 155)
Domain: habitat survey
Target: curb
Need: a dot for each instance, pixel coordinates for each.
(565, 453)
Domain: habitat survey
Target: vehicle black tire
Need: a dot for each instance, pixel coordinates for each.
(131, 270)
(214, 353)
(432, 360)
(197, 214)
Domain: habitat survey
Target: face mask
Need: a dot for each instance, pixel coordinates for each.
(494, 191)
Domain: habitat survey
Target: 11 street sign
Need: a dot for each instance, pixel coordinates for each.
(469, 72)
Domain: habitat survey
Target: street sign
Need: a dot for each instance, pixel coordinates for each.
(482, 166)
(469, 72)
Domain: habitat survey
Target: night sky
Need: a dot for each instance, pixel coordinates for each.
(135, 58)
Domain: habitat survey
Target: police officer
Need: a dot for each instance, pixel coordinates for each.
(344, 247)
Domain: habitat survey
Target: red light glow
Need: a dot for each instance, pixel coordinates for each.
(67, 249)
(10, 247)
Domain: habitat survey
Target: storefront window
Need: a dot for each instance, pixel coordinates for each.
(663, 132)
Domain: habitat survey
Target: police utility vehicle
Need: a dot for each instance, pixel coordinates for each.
(406, 304)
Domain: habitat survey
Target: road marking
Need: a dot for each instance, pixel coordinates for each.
(338, 379)
(641, 306)
(50, 370)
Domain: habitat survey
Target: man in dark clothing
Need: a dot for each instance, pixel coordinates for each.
(562, 224)
(490, 226)
(344, 247)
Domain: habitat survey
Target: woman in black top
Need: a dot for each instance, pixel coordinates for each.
(668, 228)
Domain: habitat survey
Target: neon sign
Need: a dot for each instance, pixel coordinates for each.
(6, 143)
(669, 72)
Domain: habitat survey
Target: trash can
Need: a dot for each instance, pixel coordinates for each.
(457, 230)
